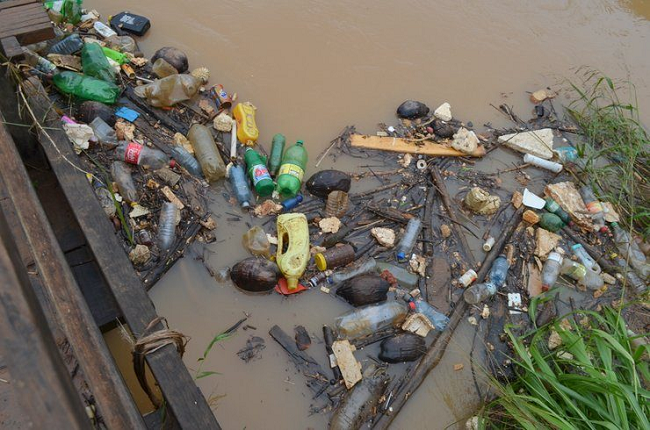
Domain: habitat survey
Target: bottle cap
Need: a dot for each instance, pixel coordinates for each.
(172, 163)
(401, 256)
(412, 305)
(576, 246)
(555, 256)
(321, 263)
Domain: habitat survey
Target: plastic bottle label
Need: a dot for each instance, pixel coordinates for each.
(260, 173)
(293, 170)
(594, 207)
(132, 153)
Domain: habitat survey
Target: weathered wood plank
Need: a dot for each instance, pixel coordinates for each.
(183, 398)
(15, 3)
(396, 144)
(11, 48)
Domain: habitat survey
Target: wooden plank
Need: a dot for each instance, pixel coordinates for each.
(24, 25)
(25, 11)
(183, 399)
(11, 48)
(39, 380)
(37, 34)
(15, 3)
(396, 144)
(113, 399)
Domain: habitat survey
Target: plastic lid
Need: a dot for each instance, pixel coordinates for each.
(401, 256)
(172, 163)
(321, 263)
(300, 142)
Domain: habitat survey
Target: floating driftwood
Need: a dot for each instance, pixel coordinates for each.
(396, 144)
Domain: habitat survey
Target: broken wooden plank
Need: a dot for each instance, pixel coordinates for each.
(396, 144)
(11, 48)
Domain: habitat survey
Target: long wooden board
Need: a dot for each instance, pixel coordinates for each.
(396, 144)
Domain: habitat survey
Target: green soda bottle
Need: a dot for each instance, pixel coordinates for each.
(115, 55)
(95, 63)
(86, 88)
(258, 173)
(550, 222)
(292, 170)
(277, 148)
(553, 207)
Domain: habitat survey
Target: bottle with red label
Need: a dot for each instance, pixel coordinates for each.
(259, 173)
(134, 153)
(595, 208)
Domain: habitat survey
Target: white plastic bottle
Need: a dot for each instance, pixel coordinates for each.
(167, 225)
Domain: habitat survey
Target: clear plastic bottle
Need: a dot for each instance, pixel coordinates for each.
(410, 237)
(437, 318)
(360, 269)
(68, 46)
(167, 225)
(206, 152)
(122, 176)
(134, 153)
(592, 281)
(162, 68)
(630, 251)
(39, 63)
(594, 207)
(573, 269)
(498, 272)
(405, 278)
(170, 90)
(551, 270)
(256, 242)
(586, 259)
(186, 160)
(631, 277)
(370, 319)
(122, 43)
(104, 132)
(240, 186)
(337, 204)
(104, 29)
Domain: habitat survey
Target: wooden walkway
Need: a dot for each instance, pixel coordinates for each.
(23, 22)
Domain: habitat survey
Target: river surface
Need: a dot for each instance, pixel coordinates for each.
(313, 67)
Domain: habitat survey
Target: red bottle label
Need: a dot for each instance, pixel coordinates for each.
(132, 153)
(260, 172)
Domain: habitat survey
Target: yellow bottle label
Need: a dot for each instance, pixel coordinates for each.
(293, 170)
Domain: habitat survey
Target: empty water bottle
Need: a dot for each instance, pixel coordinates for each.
(104, 132)
(594, 207)
(167, 225)
(122, 176)
(551, 270)
(206, 152)
(186, 160)
(498, 272)
(134, 153)
(360, 269)
(586, 259)
(39, 63)
(370, 319)
(68, 46)
(573, 269)
(405, 278)
(409, 239)
(631, 278)
(435, 317)
(240, 185)
(630, 251)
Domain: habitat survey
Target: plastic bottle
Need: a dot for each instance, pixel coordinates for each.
(134, 153)
(293, 247)
(585, 258)
(291, 203)
(125, 185)
(630, 251)
(170, 90)
(573, 269)
(247, 131)
(370, 319)
(315, 280)
(410, 237)
(468, 278)
(256, 242)
(542, 163)
(292, 170)
(365, 267)
(95, 63)
(68, 10)
(337, 204)
(206, 152)
(550, 222)
(162, 68)
(594, 207)
(336, 256)
(122, 43)
(104, 29)
(631, 277)
(553, 207)
(39, 63)
(167, 225)
(489, 243)
(237, 178)
(479, 292)
(592, 281)
(405, 278)
(68, 46)
(437, 318)
(104, 132)
(566, 153)
(258, 173)
(114, 55)
(277, 148)
(187, 160)
(551, 270)
(86, 87)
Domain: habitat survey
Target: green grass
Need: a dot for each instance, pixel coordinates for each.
(615, 148)
(595, 379)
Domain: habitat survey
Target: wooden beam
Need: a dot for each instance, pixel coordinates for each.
(396, 144)
(15, 3)
(11, 48)
(183, 398)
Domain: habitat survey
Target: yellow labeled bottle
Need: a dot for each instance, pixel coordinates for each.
(293, 247)
(247, 131)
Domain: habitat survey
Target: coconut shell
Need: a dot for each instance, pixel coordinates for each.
(364, 290)
(402, 347)
(412, 109)
(255, 275)
(173, 56)
(324, 182)
(444, 129)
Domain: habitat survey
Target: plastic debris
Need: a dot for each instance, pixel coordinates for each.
(481, 202)
(385, 236)
(443, 112)
(537, 142)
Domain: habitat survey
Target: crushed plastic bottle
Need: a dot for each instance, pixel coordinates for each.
(122, 43)
(240, 186)
(586, 259)
(435, 317)
(256, 242)
(259, 174)
(95, 63)
(292, 170)
(405, 278)
(167, 225)
(105, 133)
(498, 272)
(134, 153)
(277, 148)
(365, 267)
(594, 207)
(551, 270)
(247, 131)
(122, 177)
(566, 154)
(86, 87)
(170, 90)
(187, 160)
(631, 278)
(104, 29)
(630, 251)
(370, 319)
(337, 204)
(39, 63)
(293, 247)
(206, 152)
(68, 46)
(410, 237)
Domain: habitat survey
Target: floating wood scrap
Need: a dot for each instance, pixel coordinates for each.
(396, 144)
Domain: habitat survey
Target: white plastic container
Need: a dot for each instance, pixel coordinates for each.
(544, 164)
(103, 29)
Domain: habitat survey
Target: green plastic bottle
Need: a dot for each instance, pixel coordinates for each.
(258, 173)
(292, 170)
(550, 222)
(95, 64)
(86, 88)
(277, 148)
(553, 207)
(115, 55)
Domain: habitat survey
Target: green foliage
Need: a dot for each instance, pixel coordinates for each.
(595, 379)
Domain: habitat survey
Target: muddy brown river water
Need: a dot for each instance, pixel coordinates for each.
(313, 67)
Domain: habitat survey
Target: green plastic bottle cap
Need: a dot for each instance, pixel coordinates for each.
(321, 263)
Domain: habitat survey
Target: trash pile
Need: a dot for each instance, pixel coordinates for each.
(154, 134)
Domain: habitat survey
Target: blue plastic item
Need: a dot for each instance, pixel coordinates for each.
(291, 203)
(126, 113)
